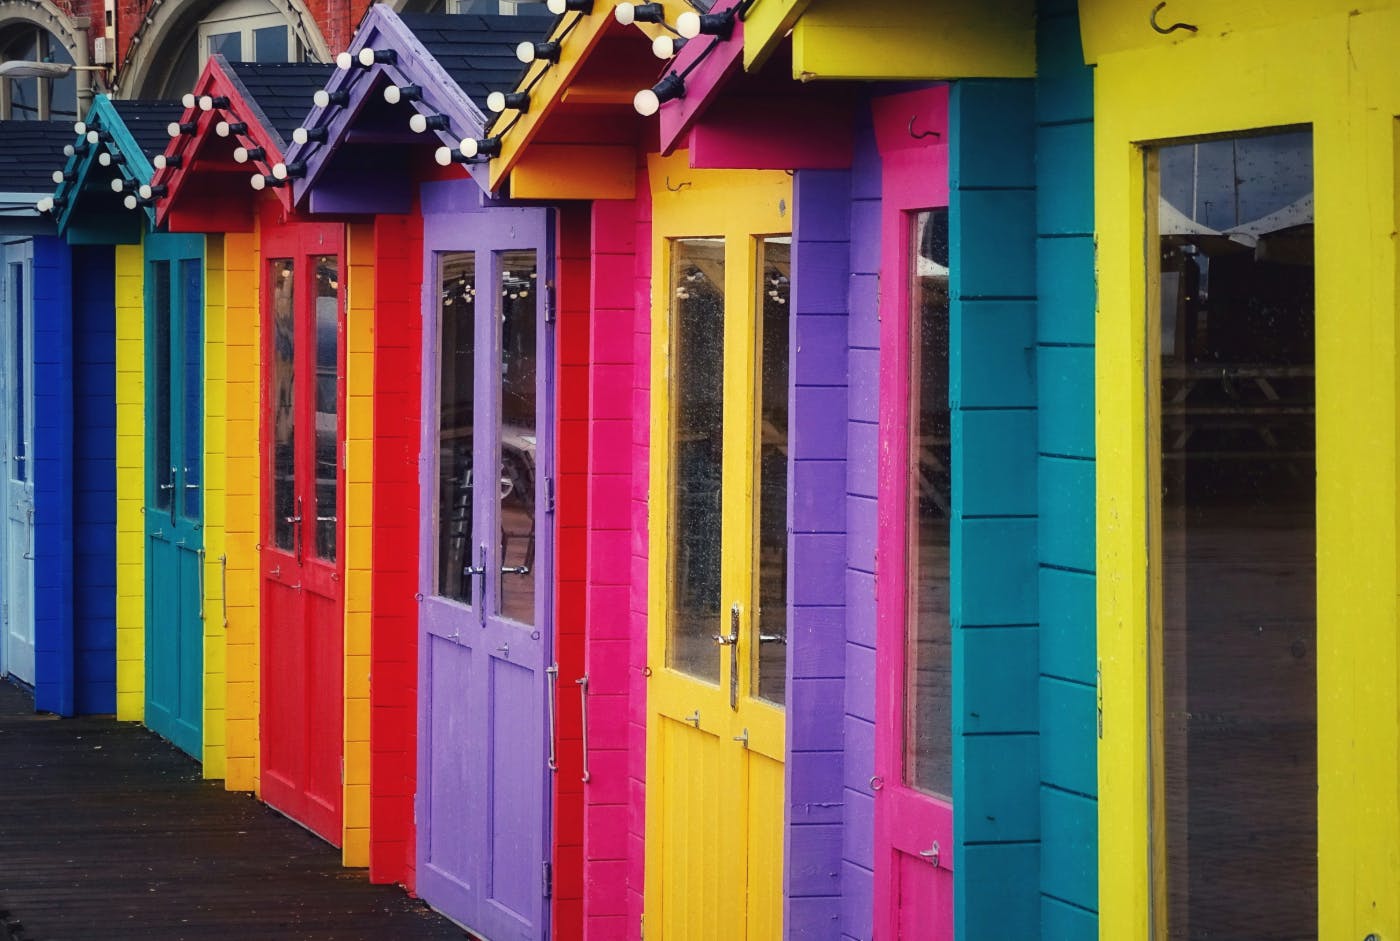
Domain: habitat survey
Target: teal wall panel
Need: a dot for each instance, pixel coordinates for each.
(1067, 400)
(993, 351)
(1067, 622)
(1008, 661)
(994, 462)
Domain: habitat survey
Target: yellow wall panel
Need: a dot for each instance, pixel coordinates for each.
(242, 508)
(211, 604)
(131, 461)
(1252, 65)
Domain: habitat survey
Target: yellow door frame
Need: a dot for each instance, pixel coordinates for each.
(1319, 65)
(718, 901)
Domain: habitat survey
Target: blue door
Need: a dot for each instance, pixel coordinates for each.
(16, 446)
(175, 489)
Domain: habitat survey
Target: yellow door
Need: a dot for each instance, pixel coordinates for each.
(718, 553)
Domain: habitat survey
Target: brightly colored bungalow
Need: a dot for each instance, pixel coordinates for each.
(1246, 425)
(468, 631)
(57, 547)
(104, 197)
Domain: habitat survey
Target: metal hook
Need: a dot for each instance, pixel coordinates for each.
(1164, 30)
(678, 187)
(920, 135)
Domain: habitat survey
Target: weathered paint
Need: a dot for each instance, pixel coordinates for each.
(1328, 65)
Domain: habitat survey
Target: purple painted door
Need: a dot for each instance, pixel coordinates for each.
(486, 727)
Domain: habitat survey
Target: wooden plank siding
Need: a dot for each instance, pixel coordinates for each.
(1065, 291)
(215, 512)
(131, 492)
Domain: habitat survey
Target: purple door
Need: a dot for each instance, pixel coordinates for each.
(486, 616)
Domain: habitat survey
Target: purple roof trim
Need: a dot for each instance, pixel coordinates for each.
(380, 29)
(703, 83)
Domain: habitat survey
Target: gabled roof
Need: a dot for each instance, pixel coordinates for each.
(119, 141)
(202, 186)
(360, 155)
(580, 136)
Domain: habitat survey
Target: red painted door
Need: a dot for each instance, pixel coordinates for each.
(303, 647)
(914, 679)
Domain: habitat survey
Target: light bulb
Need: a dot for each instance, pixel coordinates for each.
(258, 182)
(344, 61)
(443, 156)
(646, 102)
(118, 186)
(188, 100)
(299, 136)
(626, 13)
(666, 47)
(173, 129)
(159, 162)
(496, 101)
(221, 129)
(418, 123)
(104, 159)
(279, 171)
(45, 204)
(322, 98)
(58, 176)
(392, 94)
(469, 147)
(129, 202)
(145, 191)
(92, 137)
(69, 150)
(366, 57)
(240, 155)
(79, 128)
(688, 24)
(557, 7)
(525, 52)
(206, 103)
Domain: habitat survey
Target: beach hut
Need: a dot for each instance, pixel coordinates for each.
(1246, 429)
(57, 551)
(468, 637)
(104, 197)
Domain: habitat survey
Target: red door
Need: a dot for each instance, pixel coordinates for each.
(303, 648)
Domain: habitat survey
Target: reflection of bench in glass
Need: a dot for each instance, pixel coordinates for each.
(1270, 404)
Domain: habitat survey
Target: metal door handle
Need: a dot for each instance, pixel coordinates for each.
(480, 572)
(325, 519)
(200, 564)
(158, 534)
(552, 674)
(223, 591)
(515, 570)
(582, 682)
(772, 638)
(27, 555)
(172, 498)
(276, 571)
(744, 738)
(732, 642)
(693, 718)
(298, 531)
(931, 854)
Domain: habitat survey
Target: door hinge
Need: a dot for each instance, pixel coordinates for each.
(1098, 694)
(547, 879)
(549, 494)
(549, 302)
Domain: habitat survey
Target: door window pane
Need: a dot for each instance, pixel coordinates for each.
(282, 401)
(193, 375)
(270, 44)
(20, 437)
(228, 45)
(327, 403)
(163, 469)
(774, 291)
(697, 324)
(928, 680)
(1238, 537)
(456, 404)
(519, 429)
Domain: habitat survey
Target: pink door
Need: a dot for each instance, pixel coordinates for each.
(913, 744)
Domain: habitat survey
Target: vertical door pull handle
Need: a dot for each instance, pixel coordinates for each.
(743, 738)
(298, 534)
(582, 682)
(223, 590)
(551, 678)
(733, 645)
(172, 496)
(199, 556)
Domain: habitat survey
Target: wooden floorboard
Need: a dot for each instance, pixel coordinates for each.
(108, 833)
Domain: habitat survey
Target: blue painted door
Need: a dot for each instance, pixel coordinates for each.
(487, 723)
(175, 489)
(17, 441)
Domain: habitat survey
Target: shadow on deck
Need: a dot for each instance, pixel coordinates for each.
(108, 833)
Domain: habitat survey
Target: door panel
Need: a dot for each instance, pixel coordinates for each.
(486, 574)
(17, 602)
(303, 660)
(174, 503)
(715, 778)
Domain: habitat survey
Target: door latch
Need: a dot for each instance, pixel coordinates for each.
(931, 854)
(480, 572)
(731, 640)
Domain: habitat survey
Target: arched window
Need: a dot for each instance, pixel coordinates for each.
(36, 99)
(240, 30)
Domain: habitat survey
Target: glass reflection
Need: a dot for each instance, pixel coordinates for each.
(164, 480)
(19, 395)
(518, 434)
(327, 403)
(282, 400)
(1238, 536)
(697, 323)
(928, 678)
(192, 374)
(774, 292)
(456, 403)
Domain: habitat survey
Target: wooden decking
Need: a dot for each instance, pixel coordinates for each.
(107, 833)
